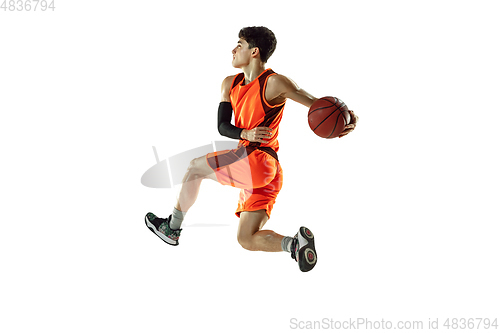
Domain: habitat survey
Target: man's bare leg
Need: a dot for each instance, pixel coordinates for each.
(252, 238)
(168, 229)
(197, 171)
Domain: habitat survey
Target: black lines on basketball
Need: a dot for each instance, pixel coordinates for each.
(324, 117)
(336, 122)
(325, 99)
(329, 107)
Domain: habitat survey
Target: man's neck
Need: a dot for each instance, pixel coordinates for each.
(253, 70)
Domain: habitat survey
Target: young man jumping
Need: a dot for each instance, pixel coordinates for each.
(257, 97)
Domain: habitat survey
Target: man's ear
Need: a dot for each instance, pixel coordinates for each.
(255, 52)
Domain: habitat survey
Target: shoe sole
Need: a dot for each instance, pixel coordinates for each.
(159, 234)
(307, 254)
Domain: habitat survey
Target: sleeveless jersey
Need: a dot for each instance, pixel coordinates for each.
(252, 110)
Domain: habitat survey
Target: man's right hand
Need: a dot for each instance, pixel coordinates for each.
(258, 134)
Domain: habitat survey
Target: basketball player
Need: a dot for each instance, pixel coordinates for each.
(257, 97)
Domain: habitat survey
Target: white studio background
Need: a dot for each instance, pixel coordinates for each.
(404, 209)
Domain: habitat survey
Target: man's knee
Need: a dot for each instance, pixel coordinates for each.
(246, 242)
(198, 168)
(251, 222)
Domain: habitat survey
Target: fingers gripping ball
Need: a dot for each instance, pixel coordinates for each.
(328, 117)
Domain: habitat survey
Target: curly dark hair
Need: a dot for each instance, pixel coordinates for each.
(260, 37)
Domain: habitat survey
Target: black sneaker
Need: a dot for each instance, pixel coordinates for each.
(303, 250)
(161, 228)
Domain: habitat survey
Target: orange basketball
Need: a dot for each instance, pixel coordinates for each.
(328, 117)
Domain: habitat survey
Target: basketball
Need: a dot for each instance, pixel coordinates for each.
(328, 117)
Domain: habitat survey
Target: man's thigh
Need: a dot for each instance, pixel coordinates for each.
(245, 171)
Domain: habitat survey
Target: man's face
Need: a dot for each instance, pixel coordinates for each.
(241, 54)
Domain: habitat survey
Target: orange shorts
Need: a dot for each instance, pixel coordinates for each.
(255, 172)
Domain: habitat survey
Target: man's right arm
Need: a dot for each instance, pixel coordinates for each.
(226, 88)
(225, 113)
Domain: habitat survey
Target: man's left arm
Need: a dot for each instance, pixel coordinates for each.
(281, 88)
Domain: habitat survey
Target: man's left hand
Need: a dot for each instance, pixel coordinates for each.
(352, 125)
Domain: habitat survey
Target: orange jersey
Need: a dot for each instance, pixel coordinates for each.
(252, 110)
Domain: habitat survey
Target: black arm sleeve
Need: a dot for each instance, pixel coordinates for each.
(224, 122)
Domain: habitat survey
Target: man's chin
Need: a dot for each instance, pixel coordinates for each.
(237, 64)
